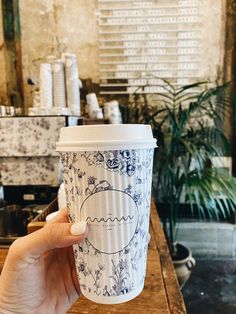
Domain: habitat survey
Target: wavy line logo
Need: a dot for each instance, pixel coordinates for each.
(128, 218)
(112, 217)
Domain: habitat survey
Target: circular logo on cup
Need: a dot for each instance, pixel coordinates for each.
(112, 218)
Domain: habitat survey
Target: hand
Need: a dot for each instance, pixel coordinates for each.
(39, 273)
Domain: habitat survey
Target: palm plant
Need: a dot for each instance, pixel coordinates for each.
(186, 122)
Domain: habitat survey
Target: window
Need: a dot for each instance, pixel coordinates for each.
(141, 41)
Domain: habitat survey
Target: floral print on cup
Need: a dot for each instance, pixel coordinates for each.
(122, 161)
(111, 190)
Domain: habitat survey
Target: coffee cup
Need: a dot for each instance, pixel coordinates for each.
(107, 171)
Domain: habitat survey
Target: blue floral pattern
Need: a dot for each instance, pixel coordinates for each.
(122, 161)
(87, 173)
(94, 185)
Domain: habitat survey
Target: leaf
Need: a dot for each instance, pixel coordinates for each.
(188, 124)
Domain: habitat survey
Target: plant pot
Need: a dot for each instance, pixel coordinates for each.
(183, 263)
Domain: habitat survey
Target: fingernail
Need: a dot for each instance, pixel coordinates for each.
(78, 228)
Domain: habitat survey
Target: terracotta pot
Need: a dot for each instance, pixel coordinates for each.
(183, 263)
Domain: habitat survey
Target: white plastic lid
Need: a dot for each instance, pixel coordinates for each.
(105, 137)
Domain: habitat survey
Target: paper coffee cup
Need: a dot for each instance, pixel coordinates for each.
(107, 171)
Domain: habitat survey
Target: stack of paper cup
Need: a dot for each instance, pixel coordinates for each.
(94, 111)
(112, 112)
(36, 109)
(45, 83)
(72, 83)
(59, 93)
(36, 99)
(107, 171)
(70, 60)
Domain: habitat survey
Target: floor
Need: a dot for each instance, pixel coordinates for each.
(211, 288)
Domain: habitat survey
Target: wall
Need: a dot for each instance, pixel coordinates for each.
(213, 38)
(63, 25)
(208, 240)
(72, 25)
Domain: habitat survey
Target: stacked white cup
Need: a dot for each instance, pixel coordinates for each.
(35, 110)
(112, 112)
(45, 82)
(36, 99)
(94, 111)
(72, 83)
(59, 92)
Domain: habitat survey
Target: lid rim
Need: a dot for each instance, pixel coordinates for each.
(102, 137)
(107, 146)
(114, 142)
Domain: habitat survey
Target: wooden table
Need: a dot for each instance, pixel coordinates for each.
(161, 293)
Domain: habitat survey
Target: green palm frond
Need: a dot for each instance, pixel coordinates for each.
(187, 122)
(213, 190)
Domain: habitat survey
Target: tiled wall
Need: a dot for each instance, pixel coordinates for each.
(29, 136)
(30, 171)
(27, 150)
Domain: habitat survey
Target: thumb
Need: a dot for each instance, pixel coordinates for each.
(51, 236)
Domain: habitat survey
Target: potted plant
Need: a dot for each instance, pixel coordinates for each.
(186, 122)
